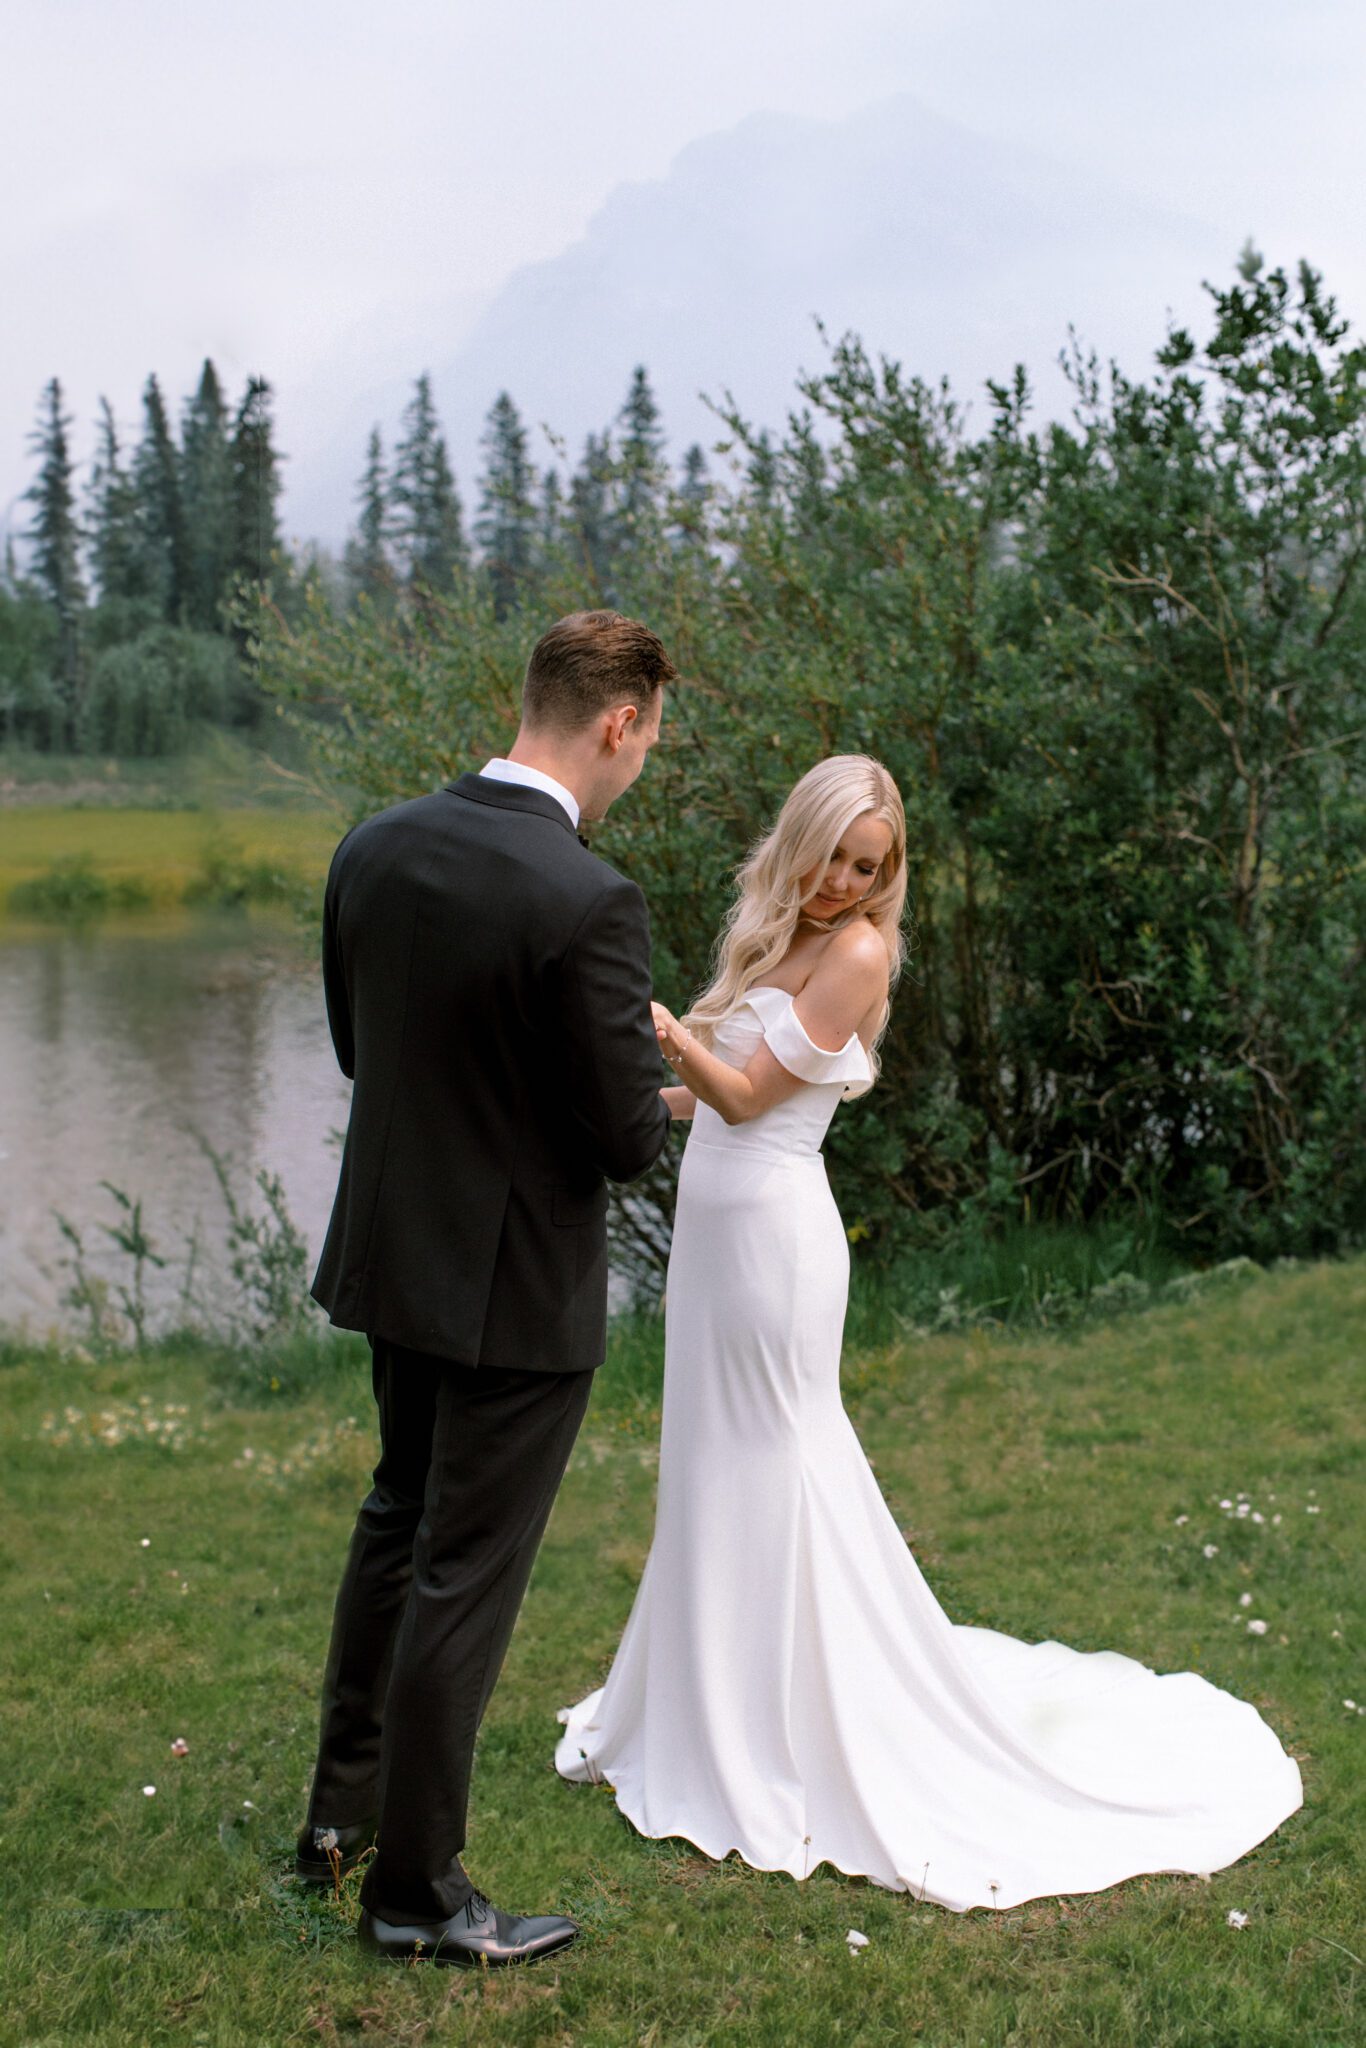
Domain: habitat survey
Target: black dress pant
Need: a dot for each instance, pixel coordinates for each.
(470, 1461)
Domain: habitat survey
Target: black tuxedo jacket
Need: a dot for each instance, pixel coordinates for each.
(488, 990)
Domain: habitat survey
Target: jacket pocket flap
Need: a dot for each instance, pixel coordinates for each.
(579, 1205)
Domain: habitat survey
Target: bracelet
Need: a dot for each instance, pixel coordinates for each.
(676, 1059)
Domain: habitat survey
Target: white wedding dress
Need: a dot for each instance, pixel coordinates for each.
(787, 1685)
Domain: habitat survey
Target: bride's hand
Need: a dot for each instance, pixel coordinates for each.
(668, 1031)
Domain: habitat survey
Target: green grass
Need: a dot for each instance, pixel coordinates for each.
(228, 822)
(57, 861)
(1039, 1478)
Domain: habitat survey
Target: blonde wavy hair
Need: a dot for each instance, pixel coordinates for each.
(762, 921)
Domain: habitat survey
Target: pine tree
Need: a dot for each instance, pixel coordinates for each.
(367, 565)
(112, 519)
(506, 524)
(210, 500)
(163, 569)
(55, 535)
(591, 505)
(763, 470)
(550, 520)
(256, 485)
(1250, 262)
(694, 492)
(641, 464)
(428, 521)
(694, 488)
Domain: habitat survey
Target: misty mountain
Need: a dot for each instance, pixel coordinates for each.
(954, 254)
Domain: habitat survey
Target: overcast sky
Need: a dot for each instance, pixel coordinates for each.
(302, 186)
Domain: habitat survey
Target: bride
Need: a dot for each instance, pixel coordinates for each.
(787, 1685)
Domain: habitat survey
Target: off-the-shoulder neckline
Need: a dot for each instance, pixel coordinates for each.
(768, 988)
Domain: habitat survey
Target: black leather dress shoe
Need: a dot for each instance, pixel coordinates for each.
(312, 1862)
(479, 1933)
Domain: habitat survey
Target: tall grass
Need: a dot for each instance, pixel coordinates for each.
(1032, 1275)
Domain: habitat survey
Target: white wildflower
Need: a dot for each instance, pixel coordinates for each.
(1244, 1599)
(148, 1791)
(1211, 1550)
(145, 1543)
(1275, 1518)
(1258, 1518)
(1226, 1505)
(1237, 1919)
(1311, 1510)
(1181, 1521)
(1256, 1628)
(180, 1747)
(1350, 1705)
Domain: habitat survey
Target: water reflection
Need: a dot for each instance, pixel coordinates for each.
(116, 1046)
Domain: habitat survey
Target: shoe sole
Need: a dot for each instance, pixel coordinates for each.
(457, 1958)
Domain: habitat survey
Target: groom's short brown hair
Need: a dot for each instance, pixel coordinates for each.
(588, 662)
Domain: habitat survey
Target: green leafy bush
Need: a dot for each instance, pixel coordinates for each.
(144, 696)
(73, 890)
(1117, 668)
(229, 881)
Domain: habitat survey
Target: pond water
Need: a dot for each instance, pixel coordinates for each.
(121, 1047)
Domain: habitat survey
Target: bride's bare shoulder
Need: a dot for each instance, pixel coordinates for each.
(848, 986)
(856, 950)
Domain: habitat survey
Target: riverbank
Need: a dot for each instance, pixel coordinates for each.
(227, 822)
(58, 863)
(176, 1530)
(220, 771)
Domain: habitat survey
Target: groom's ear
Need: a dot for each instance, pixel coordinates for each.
(618, 723)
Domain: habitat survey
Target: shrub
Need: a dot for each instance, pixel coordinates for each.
(144, 696)
(1117, 669)
(72, 890)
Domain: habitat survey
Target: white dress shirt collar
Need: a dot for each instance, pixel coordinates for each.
(533, 778)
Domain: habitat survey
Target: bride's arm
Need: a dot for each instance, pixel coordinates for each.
(848, 980)
(735, 1094)
(680, 1102)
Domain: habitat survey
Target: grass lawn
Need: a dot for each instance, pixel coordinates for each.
(165, 849)
(153, 1592)
(163, 825)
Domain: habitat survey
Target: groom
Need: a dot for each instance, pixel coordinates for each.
(488, 990)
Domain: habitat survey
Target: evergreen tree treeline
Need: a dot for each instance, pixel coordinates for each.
(118, 637)
(608, 515)
(175, 521)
